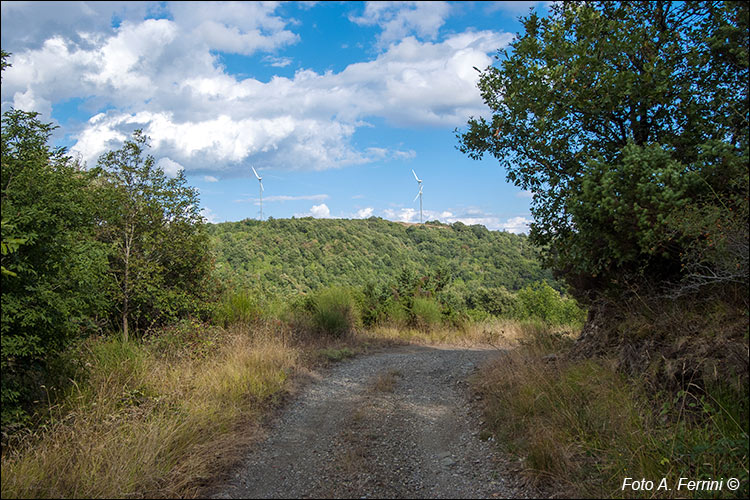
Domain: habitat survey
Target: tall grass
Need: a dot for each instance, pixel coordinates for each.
(150, 422)
(587, 427)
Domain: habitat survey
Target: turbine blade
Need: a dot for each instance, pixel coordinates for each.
(415, 198)
(256, 173)
(415, 175)
(261, 186)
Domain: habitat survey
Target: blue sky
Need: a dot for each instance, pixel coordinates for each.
(333, 103)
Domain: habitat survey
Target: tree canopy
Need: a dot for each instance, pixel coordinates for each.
(288, 256)
(629, 123)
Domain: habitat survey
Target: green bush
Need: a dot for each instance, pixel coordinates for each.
(238, 307)
(334, 311)
(496, 301)
(541, 301)
(426, 313)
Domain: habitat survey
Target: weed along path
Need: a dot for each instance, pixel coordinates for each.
(400, 423)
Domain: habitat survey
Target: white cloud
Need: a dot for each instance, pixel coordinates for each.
(320, 211)
(32, 25)
(277, 62)
(171, 168)
(470, 217)
(160, 75)
(209, 215)
(516, 225)
(364, 213)
(400, 19)
(402, 215)
(210, 178)
(237, 27)
(524, 194)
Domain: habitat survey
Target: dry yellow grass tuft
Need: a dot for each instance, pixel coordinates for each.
(496, 332)
(384, 381)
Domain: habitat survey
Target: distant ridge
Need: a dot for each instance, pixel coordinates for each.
(298, 255)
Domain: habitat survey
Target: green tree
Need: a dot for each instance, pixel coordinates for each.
(160, 260)
(622, 118)
(54, 279)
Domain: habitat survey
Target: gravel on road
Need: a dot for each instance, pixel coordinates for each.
(402, 423)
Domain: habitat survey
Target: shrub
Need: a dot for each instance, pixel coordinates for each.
(334, 311)
(238, 307)
(541, 301)
(496, 301)
(425, 313)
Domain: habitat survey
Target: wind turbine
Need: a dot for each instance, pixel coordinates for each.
(260, 190)
(419, 195)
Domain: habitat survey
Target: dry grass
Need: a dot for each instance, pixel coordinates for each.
(500, 333)
(582, 427)
(384, 381)
(148, 425)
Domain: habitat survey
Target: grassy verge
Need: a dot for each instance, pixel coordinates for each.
(497, 332)
(583, 428)
(154, 418)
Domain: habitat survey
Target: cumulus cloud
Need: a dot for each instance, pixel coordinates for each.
(210, 178)
(400, 19)
(161, 75)
(172, 168)
(469, 217)
(320, 211)
(209, 215)
(516, 225)
(364, 213)
(32, 25)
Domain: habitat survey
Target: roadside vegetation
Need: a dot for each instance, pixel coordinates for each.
(629, 123)
(582, 426)
(165, 414)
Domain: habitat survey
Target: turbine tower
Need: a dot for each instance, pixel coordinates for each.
(419, 195)
(260, 191)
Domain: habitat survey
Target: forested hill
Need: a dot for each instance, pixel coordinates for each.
(298, 255)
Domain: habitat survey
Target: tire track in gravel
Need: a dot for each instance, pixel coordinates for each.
(395, 424)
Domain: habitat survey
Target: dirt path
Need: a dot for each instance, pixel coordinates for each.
(396, 424)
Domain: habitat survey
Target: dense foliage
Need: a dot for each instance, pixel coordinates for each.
(88, 251)
(159, 259)
(333, 275)
(54, 286)
(629, 123)
(287, 256)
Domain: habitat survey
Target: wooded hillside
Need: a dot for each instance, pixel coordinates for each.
(299, 255)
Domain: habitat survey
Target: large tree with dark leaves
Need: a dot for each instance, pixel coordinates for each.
(629, 123)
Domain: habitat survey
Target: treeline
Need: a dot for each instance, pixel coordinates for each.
(287, 256)
(115, 248)
(406, 301)
(373, 271)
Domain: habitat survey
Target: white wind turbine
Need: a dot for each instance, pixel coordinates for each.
(260, 191)
(419, 195)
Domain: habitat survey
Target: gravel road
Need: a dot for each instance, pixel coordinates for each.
(401, 423)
